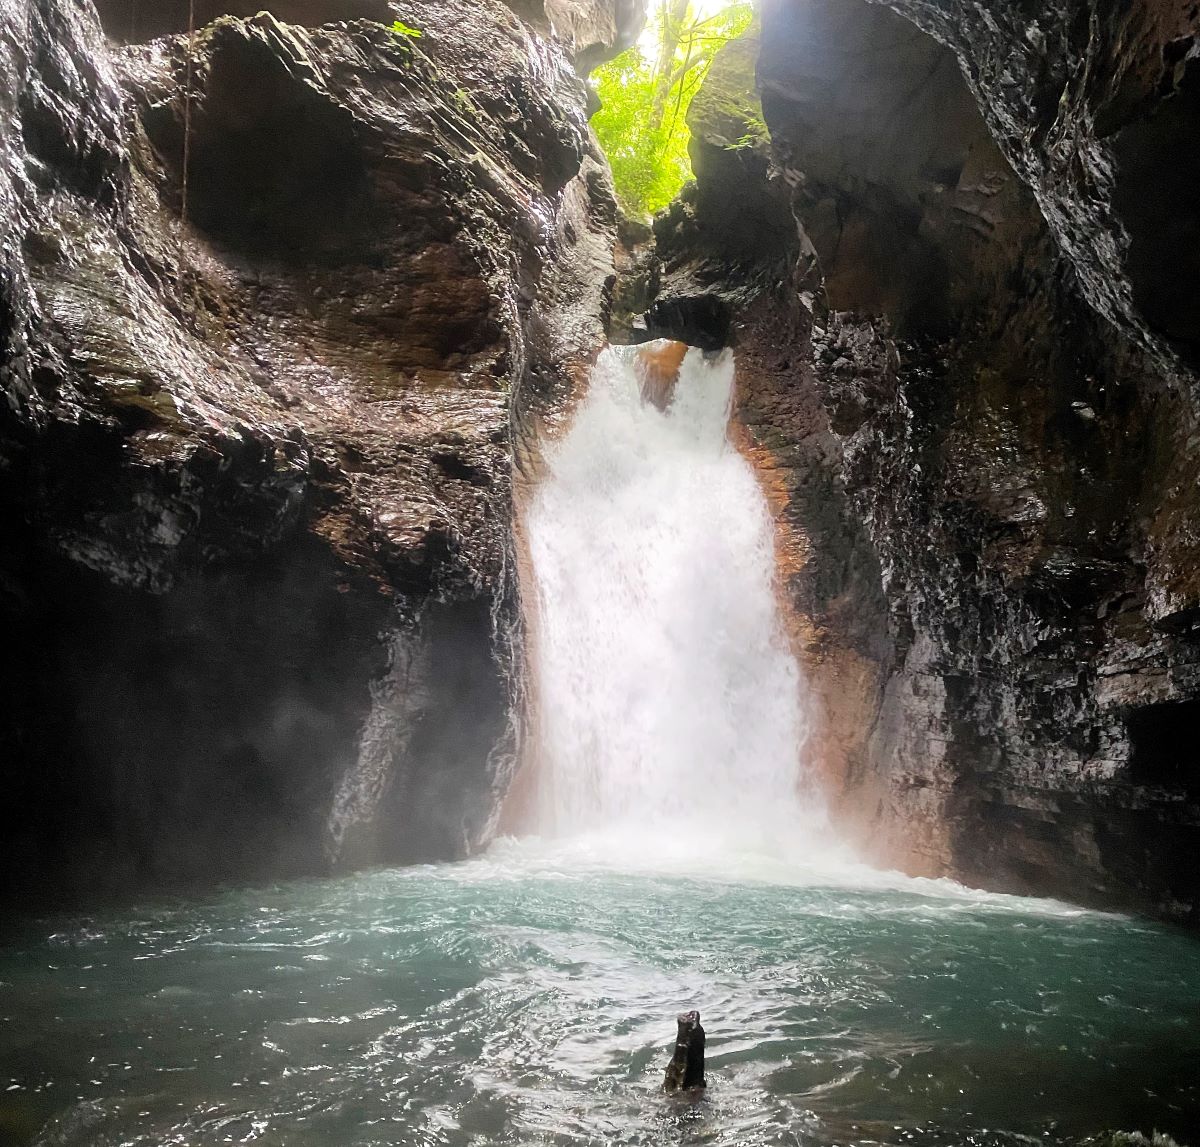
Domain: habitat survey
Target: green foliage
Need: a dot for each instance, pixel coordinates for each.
(757, 132)
(649, 159)
(403, 29)
(645, 93)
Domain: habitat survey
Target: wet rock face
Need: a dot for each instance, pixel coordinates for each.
(590, 31)
(245, 462)
(136, 21)
(912, 209)
(1085, 105)
(958, 379)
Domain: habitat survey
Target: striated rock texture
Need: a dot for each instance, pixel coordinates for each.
(590, 31)
(255, 462)
(962, 289)
(136, 21)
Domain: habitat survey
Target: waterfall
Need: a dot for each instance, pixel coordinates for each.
(667, 704)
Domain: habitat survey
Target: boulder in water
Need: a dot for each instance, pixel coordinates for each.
(685, 1072)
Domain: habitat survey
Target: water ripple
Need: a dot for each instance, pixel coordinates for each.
(527, 998)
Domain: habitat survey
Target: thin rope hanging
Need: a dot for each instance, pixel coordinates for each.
(187, 143)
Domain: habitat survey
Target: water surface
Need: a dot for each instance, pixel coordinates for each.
(528, 998)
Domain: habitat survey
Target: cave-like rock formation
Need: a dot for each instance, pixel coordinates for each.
(956, 244)
(255, 467)
(264, 408)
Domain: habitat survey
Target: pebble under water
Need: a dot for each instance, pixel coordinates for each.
(528, 997)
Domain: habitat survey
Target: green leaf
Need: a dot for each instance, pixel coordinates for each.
(403, 29)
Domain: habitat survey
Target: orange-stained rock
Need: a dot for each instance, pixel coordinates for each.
(658, 366)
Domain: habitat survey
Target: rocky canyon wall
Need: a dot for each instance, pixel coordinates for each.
(265, 411)
(956, 243)
(257, 430)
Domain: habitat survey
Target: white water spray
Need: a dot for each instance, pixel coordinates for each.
(669, 708)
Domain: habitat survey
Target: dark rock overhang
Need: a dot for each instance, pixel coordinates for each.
(702, 320)
(135, 21)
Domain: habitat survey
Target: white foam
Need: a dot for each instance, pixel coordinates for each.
(670, 708)
(603, 855)
(672, 717)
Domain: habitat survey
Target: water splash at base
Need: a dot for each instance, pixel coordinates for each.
(669, 710)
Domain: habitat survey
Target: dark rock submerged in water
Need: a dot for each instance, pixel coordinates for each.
(685, 1072)
(969, 376)
(256, 470)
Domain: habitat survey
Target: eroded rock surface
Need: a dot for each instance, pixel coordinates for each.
(256, 471)
(590, 31)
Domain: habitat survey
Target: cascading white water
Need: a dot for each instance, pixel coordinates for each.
(668, 705)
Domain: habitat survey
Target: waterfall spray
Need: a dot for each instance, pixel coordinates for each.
(669, 706)
(397, 700)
